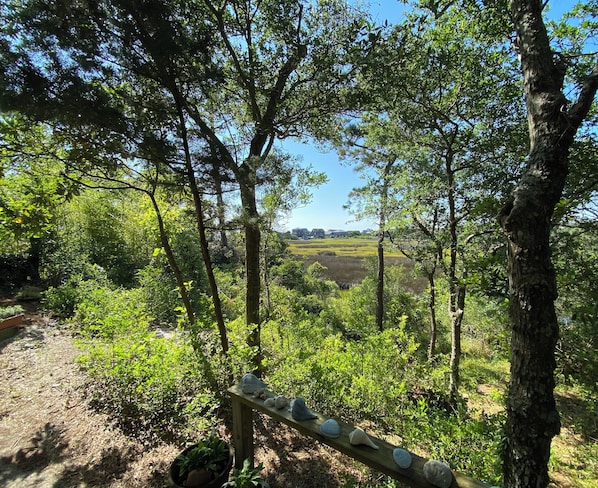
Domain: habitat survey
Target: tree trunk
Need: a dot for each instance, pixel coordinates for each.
(457, 289)
(201, 229)
(220, 206)
(380, 283)
(252, 260)
(205, 252)
(34, 259)
(172, 261)
(532, 417)
(456, 307)
(433, 322)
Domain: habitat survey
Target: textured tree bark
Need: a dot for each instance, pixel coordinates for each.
(246, 179)
(532, 417)
(457, 289)
(432, 309)
(456, 307)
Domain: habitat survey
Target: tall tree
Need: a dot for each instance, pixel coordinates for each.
(532, 417)
(196, 80)
(287, 63)
(368, 145)
(447, 121)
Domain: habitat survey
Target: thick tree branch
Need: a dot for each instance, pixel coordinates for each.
(580, 109)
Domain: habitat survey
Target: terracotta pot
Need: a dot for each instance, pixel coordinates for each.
(175, 482)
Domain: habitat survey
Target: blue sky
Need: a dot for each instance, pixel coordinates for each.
(326, 208)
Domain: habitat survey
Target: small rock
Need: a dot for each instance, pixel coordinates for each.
(438, 474)
(402, 457)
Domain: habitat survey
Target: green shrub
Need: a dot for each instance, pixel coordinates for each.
(109, 313)
(468, 443)
(62, 299)
(6, 312)
(152, 385)
(159, 293)
(344, 376)
(146, 383)
(382, 379)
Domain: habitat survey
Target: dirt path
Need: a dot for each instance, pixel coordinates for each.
(50, 438)
(48, 435)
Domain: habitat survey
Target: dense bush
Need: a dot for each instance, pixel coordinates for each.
(14, 272)
(159, 292)
(62, 299)
(380, 378)
(152, 385)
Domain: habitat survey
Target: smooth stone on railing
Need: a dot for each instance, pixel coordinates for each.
(250, 383)
(330, 428)
(299, 410)
(438, 473)
(402, 457)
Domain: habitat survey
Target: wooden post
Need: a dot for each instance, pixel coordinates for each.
(242, 432)
(380, 460)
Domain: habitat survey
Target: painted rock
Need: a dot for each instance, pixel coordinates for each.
(281, 402)
(250, 383)
(330, 428)
(299, 410)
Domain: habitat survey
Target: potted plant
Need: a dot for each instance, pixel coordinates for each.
(247, 477)
(205, 464)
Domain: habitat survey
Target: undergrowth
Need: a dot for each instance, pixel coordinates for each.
(153, 386)
(318, 344)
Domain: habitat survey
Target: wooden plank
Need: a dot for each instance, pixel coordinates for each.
(380, 460)
(11, 321)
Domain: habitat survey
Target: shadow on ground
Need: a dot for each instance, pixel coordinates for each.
(45, 461)
(578, 414)
(292, 460)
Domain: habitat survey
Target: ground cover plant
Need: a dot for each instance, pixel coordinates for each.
(10, 311)
(153, 385)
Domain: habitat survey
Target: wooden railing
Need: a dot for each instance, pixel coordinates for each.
(381, 459)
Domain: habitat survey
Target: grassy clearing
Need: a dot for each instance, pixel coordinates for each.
(343, 246)
(344, 258)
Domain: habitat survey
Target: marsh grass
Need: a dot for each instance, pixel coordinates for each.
(345, 259)
(344, 246)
